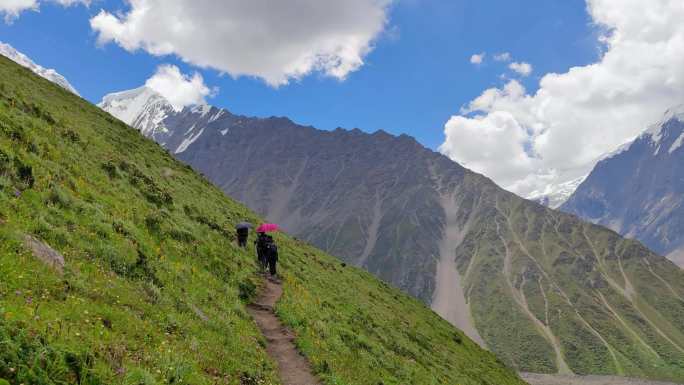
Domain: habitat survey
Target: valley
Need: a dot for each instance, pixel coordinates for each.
(547, 379)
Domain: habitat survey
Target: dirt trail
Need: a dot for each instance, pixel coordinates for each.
(293, 368)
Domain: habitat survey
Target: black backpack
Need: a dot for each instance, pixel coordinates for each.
(270, 249)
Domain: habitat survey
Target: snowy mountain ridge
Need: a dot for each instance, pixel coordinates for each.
(638, 190)
(142, 108)
(148, 111)
(655, 132)
(47, 73)
(555, 195)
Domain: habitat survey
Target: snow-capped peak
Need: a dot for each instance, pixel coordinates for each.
(676, 112)
(142, 107)
(201, 109)
(655, 130)
(128, 105)
(47, 73)
(555, 195)
(622, 148)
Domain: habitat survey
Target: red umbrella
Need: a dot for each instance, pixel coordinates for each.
(267, 228)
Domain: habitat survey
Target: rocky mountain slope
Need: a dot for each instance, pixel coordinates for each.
(118, 265)
(48, 73)
(638, 191)
(543, 290)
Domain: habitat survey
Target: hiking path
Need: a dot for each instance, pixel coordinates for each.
(293, 368)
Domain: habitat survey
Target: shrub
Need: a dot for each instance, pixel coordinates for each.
(149, 188)
(71, 136)
(59, 197)
(110, 169)
(24, 173)
(247, 289)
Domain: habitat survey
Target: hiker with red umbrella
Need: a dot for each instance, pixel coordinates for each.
(266, 249)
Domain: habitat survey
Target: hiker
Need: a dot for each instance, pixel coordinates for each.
(267, 251)
(242, 235)
(260, 244)
(242, 230)
(271, 252)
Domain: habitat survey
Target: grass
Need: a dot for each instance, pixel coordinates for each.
(154, 288)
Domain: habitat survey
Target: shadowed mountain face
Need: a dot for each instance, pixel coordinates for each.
(543, 290)
(371, 200)
(638, 191)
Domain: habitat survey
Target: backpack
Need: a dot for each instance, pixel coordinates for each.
(270, 249)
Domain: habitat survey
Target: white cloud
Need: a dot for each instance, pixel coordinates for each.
(503, 56)
(483, 141)
(576, 116)
(274, 40)
(523, 69)
(179, 89)
(477, 58)
(12, 8)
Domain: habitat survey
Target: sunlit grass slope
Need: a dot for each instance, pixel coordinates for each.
(154, 289)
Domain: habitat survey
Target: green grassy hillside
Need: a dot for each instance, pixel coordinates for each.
(154, 289)
(574, 296)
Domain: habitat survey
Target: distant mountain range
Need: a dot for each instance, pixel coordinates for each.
(638, 190)
(23, 60)
(542, 289)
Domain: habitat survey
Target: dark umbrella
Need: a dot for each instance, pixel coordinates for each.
(243, 225)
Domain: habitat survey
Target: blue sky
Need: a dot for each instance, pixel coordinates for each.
(603, 70)
(417, 76)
